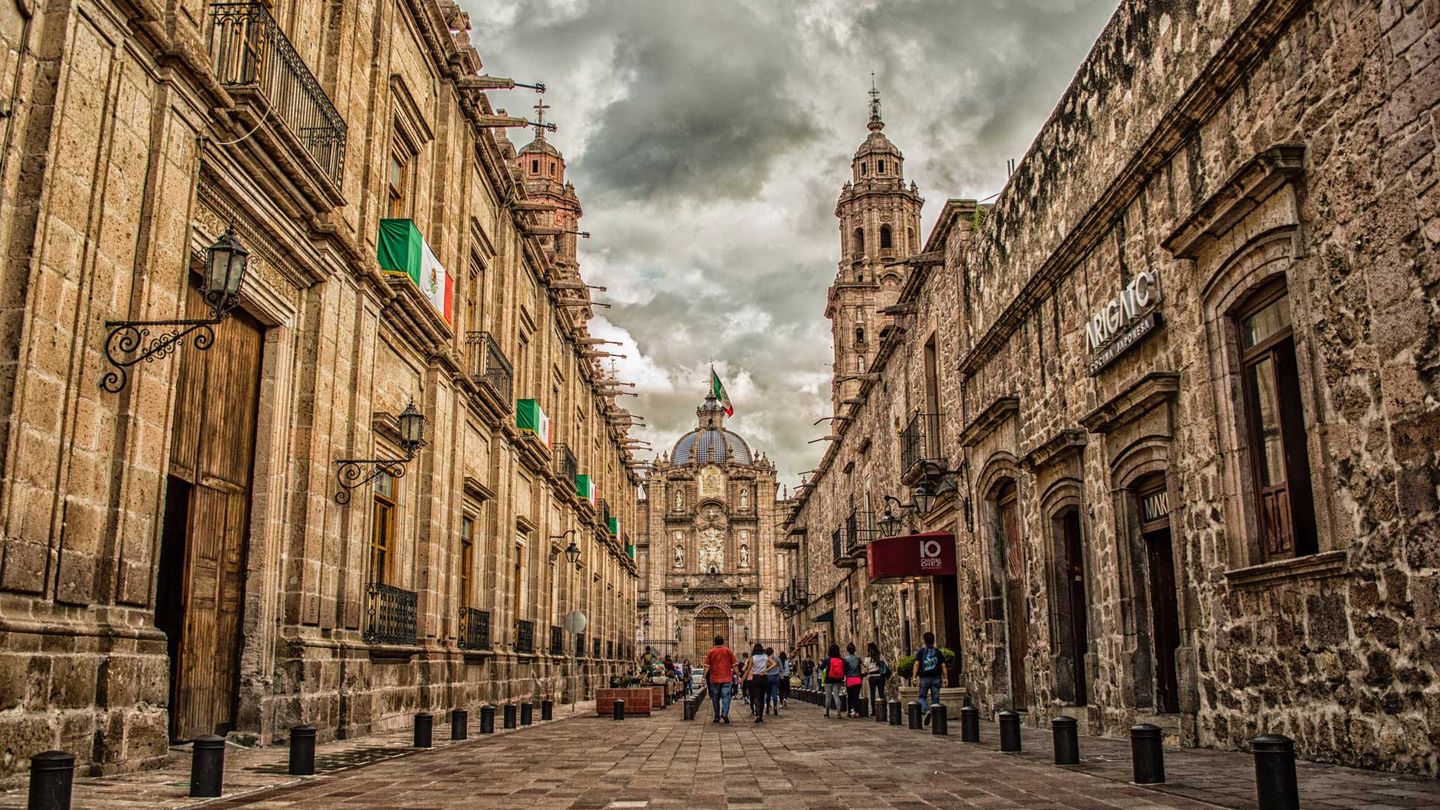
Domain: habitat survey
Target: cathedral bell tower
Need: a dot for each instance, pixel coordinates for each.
(879, 218)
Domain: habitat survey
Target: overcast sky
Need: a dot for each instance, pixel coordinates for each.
(708, 141)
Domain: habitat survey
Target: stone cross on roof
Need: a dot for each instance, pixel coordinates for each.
(540, 108)
(875, 122)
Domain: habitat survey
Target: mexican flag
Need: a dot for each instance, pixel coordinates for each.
(585, 488)
(403, 251)
(531, 419)
(717, 390)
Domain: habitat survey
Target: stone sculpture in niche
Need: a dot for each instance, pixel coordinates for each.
(712, 550)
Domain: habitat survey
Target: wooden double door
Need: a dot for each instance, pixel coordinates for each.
(709, 623)
(207, 515)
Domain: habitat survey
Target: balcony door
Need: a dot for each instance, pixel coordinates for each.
(207, 512)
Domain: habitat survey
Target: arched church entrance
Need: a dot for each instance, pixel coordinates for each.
(709, 623)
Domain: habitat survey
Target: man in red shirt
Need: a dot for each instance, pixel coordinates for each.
(719, 674)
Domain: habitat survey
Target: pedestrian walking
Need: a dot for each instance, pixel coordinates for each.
(930, 672)
(784, 680)
(685, 671)
(877, 672)
(832, 669)
(772, 691)
(807, 673)
(757, 680)
(719, 676)
(854, 668)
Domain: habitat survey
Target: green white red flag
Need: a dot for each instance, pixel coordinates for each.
(717, 390)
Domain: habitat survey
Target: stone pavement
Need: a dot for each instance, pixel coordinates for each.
(799, 760)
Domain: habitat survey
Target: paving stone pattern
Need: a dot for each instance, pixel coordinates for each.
(799, 760)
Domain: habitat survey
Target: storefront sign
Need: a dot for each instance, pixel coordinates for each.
(1124, 321)
(914, 555)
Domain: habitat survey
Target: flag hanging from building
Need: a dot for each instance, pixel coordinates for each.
(403, 251)
(717, 390)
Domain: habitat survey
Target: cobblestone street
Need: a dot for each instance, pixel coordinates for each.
(800, 760)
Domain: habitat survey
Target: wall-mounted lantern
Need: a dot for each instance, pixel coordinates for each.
(130, 342)
(356, 472)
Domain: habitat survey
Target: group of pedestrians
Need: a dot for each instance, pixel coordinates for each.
(763, 675)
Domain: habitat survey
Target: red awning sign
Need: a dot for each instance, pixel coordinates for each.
(915, 555)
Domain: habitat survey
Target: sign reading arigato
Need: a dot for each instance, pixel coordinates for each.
(913, 555)
(1124, 320)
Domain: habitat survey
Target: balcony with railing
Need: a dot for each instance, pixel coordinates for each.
(490, 369)
(565, 467)
(390, 615)
(252, 56)
(524, 636)
(557, 640)
(859, 531)
(920, 446)
(839, 550)
(474, 631)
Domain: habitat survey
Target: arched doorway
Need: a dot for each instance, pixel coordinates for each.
(1012, 556)
(709, 623)
(1153, 512)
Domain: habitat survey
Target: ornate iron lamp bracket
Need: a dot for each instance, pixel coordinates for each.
(357, 472)
(129, 342)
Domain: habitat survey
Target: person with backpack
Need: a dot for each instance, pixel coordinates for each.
(854, 671)
(877, 672)
(785, 669)
(930, 672)
(832, 668)
(807, 671)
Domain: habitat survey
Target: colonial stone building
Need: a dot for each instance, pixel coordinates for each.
(1174, 396)
(369, 481)
(707, 557)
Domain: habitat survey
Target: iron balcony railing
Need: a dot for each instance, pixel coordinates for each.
(557, 640)
(920, 442)
(250, 51)
(579, 645)
(566, 467)
(524, 636)
(474, 629)
(490, 368)
(859, 530)
(391, 615)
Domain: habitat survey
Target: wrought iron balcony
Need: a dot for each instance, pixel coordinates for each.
(566, 467)
(859, 530)
(390, 615)
(490, 368)
(250, 53)
(524, 636)
(920, 445)
(474, 629)
(557, 640)
(604, 507)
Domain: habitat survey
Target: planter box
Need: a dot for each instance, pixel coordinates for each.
(952, 696)
(657, 697)
(637, 701)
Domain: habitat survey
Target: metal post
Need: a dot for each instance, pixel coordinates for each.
(969, 723)
(619, 710)
(1275, 785)
(879, 710)
(302, 751)
(547, 709)
(459, 724)
(862, 707)
(939, 726)
(52, 773)
(527, 713)
(896, 711)
(487, 719)
(207, 765)
(1067, 740)
(689, 709)
(509, 715)
(424, 729)
(912, 711)
(1146, 755)
(1009, 731)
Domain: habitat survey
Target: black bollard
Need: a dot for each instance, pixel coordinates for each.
(487, 719)
(302, 751)
(547, 709)
(207, 765)
(1275, 785)
(459, 724)
(424, 729)
(690, 707)
(1009, 731)
(52, 773)
(896, 712)
(619, 710)
(509, 715)
(862, 707)
(1067, 740)
(527, 713)
(879, 710)
(939, 726)
(912, 711)
(969, 723)
(1145, 754)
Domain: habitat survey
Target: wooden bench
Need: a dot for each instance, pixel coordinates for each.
(639, 700)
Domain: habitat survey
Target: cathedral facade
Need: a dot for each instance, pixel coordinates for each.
(706, 547)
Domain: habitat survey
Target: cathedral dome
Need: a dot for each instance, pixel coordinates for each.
(540, 146)
(710, 442)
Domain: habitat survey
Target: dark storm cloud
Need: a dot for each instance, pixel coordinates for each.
(709, 140)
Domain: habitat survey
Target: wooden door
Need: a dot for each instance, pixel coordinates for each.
(1016, 625)
(1074, 573)
(1164, 618)
(710, 623)
(212, 451)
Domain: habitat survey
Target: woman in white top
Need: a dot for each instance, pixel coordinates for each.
(757, 680)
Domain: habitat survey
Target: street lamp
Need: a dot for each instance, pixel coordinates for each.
(129, 342)
(890, 524)
(572, 553)
(356, 472)
(922, 498)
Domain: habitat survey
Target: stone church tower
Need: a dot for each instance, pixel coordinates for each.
(879, 226)
(708, 566)
(541, 167)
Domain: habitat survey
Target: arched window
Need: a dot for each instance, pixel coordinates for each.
(858, 242)
(880, 167)
(1275, 424)
(860, 335)
(864, 169)
(885, 241)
